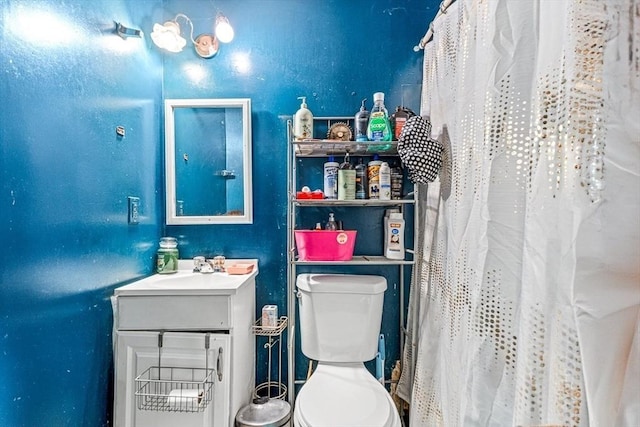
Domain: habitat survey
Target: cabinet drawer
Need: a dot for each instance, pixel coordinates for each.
(209, 312)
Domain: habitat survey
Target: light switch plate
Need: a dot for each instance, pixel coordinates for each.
(134, 209)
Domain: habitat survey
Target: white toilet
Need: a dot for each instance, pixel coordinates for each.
(340, 316)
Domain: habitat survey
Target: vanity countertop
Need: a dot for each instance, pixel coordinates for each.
(187, 282)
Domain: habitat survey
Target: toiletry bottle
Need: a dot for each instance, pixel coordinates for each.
(346, 180)
(379, 128)
(384, 175)
(361, 180)
(331, 178)
(361, 121)
(331, 224)
(394, 241)
(303, 121)
(397, 181)
(167, 256)
(387, 212)
(373, 171)
(399, 118)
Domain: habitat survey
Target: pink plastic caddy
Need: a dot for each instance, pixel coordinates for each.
(324, 245)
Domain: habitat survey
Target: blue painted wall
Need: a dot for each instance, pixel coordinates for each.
(334, 52)
(65, 175)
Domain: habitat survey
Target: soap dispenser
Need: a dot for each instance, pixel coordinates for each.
(361, 122)
(303, 121)
(332, 224)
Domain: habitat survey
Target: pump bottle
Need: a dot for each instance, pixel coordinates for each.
(361, 120)
(331, 223)
(303, 121)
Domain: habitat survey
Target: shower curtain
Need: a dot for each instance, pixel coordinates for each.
(525, 295)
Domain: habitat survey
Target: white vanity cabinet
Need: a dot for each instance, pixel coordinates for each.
(184, 331)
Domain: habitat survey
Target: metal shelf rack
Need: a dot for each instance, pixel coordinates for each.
(310, 148)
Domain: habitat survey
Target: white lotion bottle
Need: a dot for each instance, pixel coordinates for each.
(387, 212)
(330, 169)
(394, 236)
(385, 181)
(303, 121)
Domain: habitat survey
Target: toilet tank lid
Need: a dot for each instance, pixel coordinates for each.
(341, 283)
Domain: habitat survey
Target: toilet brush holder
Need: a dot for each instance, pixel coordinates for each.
(264, 412)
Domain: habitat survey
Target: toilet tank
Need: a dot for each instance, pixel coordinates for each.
(340, 316)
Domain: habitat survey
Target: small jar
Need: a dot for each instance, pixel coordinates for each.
(167, 256)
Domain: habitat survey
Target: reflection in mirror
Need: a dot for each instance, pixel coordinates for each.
(208, 161)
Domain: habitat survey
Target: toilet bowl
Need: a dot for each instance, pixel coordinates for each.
(344, 395)
(340, 317)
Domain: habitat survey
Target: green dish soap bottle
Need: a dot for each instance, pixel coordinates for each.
(379, 128)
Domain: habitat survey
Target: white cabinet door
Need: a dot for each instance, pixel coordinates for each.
(135, 351)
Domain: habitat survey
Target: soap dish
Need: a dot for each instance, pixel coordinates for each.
(239, 268)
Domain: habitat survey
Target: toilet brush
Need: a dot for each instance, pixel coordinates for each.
(380, 357)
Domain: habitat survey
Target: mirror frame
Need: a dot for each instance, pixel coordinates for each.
(170, 106)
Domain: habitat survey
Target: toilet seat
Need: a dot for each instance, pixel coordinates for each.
(344, 394)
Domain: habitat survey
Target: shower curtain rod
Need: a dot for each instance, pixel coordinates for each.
(424, 40)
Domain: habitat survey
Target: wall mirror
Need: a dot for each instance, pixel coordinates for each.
(208, 161)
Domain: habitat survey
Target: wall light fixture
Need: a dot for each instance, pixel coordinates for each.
(126, 32)
(167, 36)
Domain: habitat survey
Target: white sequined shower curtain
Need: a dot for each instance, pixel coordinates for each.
(526, 292)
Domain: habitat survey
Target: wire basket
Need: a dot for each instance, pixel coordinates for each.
(174, 389)
(258, 329)
(271, 389)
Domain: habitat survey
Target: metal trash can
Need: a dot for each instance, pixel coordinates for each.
(264, 412)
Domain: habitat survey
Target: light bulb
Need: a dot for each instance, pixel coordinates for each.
(168, 36)
(224, 30)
